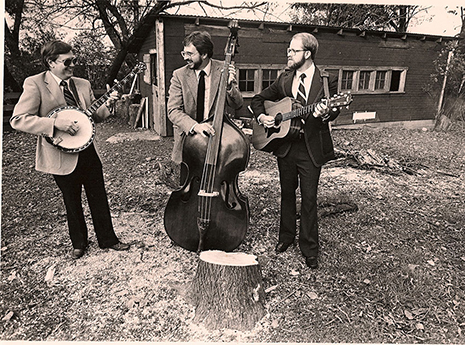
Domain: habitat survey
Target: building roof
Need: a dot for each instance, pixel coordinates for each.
(142, 32)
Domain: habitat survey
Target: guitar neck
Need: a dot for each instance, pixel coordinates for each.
(99, 102)
(299, 112)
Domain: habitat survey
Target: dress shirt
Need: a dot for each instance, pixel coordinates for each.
(58, 80)
(309, 72)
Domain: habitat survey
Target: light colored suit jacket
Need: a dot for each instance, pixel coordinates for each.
(41, 94)
(182, 102)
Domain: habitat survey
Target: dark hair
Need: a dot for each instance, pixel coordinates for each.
(309, 42)
(202, 41)
(51, 50)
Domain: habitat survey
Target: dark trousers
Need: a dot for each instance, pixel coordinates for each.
(88, 173)
(297, 165)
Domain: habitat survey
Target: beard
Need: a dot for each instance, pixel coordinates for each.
(194, 65)
(297, 64)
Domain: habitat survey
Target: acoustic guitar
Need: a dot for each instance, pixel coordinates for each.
(268, 139)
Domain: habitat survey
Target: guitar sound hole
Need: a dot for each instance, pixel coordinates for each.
(278, 119)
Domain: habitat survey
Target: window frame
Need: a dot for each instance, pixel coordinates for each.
(373, 70)
(258, 75)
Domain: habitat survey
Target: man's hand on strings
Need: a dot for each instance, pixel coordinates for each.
(113, 96)
(66, 125)
(231, 75)
(204, 129)
(296, 104)
(321, 110)
(266, 120)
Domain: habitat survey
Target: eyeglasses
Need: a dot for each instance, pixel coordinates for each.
(68, 62)
(292, 52)
(188, 54)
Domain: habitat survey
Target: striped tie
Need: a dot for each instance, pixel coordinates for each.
(301, 94)
(69, 98)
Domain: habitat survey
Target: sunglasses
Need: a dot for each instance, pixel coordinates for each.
(68, 62)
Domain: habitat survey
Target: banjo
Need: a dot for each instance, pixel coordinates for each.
(85, 135)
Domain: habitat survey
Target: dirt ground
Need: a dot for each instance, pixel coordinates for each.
(391, 269)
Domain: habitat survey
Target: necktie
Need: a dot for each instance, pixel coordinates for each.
(201, 97)
(301, 94)
(69, 98)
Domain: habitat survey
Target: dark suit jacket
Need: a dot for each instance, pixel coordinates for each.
(317, 133)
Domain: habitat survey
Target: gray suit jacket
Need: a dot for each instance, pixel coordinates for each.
(182, 102)
(41, 95)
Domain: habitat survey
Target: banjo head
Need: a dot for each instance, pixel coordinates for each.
(83, 137)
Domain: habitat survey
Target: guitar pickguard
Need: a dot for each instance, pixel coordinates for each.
(272, 131)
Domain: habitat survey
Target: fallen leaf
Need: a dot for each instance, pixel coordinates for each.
(312, 295)
(367, 281)
(50, 273)
(271, 288)
(275, 324)
(12, 276)
(294, 273)
(8, 316)
(431, 262)
(419, 326)
(408, 315)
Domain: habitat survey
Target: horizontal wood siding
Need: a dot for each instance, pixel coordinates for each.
(268, 46)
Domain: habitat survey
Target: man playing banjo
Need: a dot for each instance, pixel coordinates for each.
(44, 93)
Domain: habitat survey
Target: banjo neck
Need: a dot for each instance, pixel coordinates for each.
(99, 102)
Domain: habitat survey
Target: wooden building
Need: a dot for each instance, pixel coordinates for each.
(385, 71)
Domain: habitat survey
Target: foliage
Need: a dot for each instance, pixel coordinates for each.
(450, 67)
(111, 22)
(94, 57)
(361, 16)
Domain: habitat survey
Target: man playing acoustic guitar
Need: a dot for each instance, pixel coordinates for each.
(42, 94)
(302, 156)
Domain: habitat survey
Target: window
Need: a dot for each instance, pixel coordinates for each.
(395, 80)
(247, 80)
(253, 78)
(153, 68)
(347, 80)
(269, 76)
(364, 80)
(380, 80)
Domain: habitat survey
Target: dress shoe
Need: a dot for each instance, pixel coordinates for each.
(77, 253)
(312, 262)
(281, 247)
(120, 246)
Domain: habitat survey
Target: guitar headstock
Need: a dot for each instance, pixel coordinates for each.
(340, 100)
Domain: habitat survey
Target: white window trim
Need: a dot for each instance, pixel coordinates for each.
(258, 75)
(373, 70)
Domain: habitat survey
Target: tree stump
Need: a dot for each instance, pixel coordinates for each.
(227, 291)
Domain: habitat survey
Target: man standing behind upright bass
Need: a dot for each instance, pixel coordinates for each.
(194, 89)
(303, 157)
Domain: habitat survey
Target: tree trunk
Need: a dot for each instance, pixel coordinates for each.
(227, 291)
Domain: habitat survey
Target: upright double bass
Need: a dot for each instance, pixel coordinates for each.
(208, 211)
